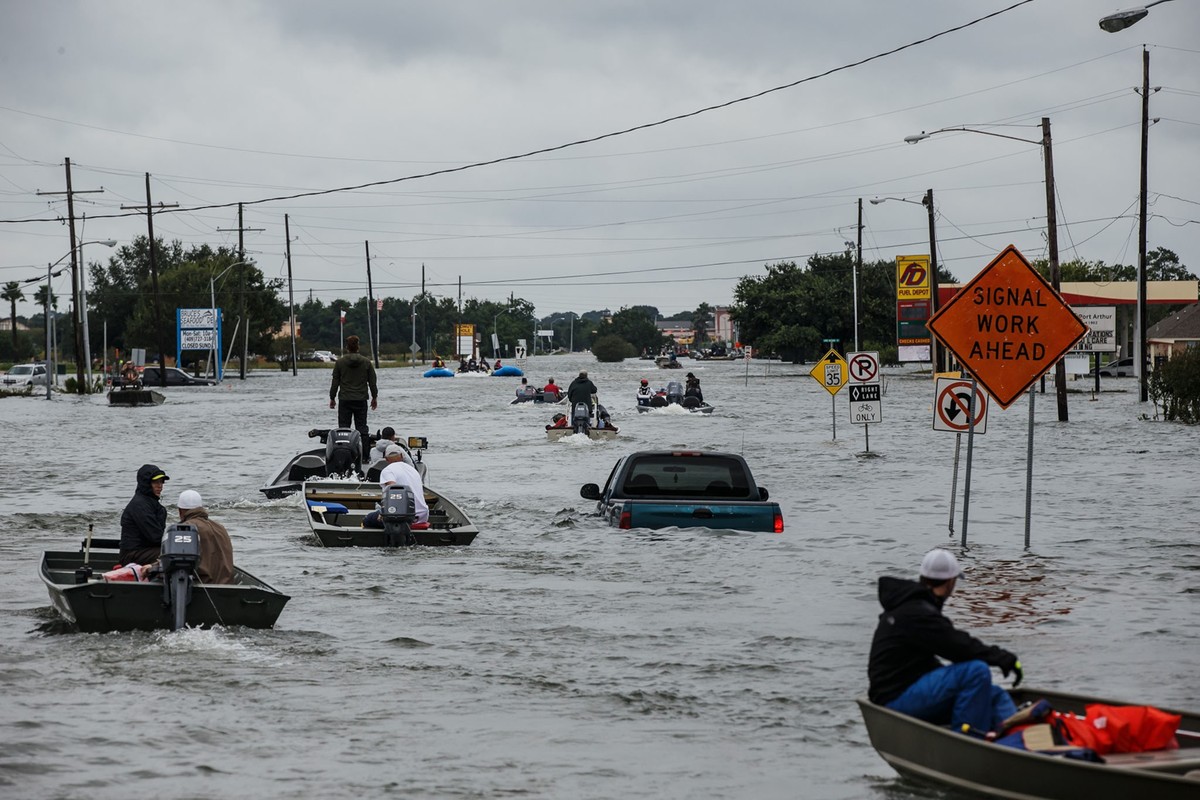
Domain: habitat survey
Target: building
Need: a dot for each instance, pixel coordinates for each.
(6, 324)
(1175, 334)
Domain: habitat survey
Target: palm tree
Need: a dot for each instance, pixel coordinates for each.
(12, 293)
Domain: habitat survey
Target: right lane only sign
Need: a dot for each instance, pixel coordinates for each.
(952, 401)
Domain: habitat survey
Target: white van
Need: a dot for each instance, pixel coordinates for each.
(22, 375)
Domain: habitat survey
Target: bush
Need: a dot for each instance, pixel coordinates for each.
(1176, 385)
(612, 348)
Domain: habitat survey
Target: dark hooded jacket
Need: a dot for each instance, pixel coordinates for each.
(354, 374)
(144, 518)
(581, 391)
(912, 634)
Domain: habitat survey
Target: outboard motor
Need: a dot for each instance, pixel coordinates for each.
(398, 511)
(674, 393)
(343, 451)
(180, 557)
(581, 419)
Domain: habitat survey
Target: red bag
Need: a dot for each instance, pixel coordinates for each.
(1120, 729)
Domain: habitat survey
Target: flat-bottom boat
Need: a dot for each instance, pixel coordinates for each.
(595, 434)
(702, 408)
(135, 397)
(310, 464)
(336, 510)
(93, 605)
(929, 752)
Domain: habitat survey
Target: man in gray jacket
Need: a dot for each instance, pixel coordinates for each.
(353, 375)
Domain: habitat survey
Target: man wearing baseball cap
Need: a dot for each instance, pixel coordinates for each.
(144, 518)
(216, 550)
(905, 672)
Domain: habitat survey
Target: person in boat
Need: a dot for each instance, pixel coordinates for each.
(472, 365)
(130, 376)
(438, 363)
(603, 419)
(398, 472)
(353, 377)
(581, 391)
(558, 421)
(644, 393)
(904, 669)
(216, 549)
(692, 388)
(496, 365)
(144, 518)
(551, 388)
(462, 365)
(387, 438)
(525, 390)
(483, 364)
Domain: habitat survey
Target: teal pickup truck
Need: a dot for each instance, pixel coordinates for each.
(686, 489)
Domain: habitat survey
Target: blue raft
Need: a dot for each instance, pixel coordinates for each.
(507, 372)
(439, 372)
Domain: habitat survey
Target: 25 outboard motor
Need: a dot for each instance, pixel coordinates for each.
(343, 451)
(581, 419)
(398, 511)
(674, 393)
(180, 557)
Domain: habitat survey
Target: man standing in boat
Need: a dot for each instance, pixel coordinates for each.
(353, 376)
(905, 672)
(581, 391)
(144, 518)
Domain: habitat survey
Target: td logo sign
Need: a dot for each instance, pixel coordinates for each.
(912, 278)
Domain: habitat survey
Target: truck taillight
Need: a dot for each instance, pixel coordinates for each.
(779, 522)
(626, 521)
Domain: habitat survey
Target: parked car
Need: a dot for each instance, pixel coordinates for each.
(1121, 368)
(317, 355)
(22, 375)
(175, 377)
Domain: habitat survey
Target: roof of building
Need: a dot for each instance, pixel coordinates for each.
(1183, 324)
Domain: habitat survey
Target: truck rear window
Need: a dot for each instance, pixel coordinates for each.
(688, 476)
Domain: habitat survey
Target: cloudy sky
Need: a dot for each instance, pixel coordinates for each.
(259, 102)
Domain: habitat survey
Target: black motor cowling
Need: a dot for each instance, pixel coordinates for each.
(179, 555)
(343, 451)
(674, 392)
(398, 511)
(581, 418)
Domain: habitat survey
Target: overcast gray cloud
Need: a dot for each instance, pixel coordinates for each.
(239, 101)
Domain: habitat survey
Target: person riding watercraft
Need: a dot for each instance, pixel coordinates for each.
(387, 438)
(525, 390)
(693, 388)
(144, 518)
(581, 391)
(644, 393)
(398, 472)
(559, 421)
(603, 420)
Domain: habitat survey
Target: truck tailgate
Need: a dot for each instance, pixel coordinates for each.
(720, 515)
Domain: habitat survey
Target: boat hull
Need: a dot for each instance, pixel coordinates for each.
(597, 435)
(135, 397)
(937, 754)
(702, 409)
(101, 607)
(287, 483)
(336, 510)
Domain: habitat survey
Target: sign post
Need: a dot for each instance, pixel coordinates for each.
(1007, 326)
(830, 371)
(866, 395)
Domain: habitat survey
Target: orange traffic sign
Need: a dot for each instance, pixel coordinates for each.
(1007, 326)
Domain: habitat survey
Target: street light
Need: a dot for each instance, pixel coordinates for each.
(79, 382)
(935, 356)
(574, 317)
(1060, 369)
(212, 295)
(495, 337)
(1121, 20)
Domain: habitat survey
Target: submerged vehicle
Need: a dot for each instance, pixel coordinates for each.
(342, 455)
(937, 754)
(84, 598)
(336, 510)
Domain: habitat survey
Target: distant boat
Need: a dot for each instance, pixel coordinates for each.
(135, 397)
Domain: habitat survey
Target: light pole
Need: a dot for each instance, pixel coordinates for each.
(81, 308)
(1121, 20)
(1113, 23)
(75, 316)
(935, 355)
(574, 316)
(1060, 369)
(495, 336)
(212, 295)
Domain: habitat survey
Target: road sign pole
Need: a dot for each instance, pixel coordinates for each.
(970, 453)
(867, 435)
(1029, 471)
(833, 413)
(954, 480)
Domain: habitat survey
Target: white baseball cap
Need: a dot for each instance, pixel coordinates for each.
(940, 565)
(189, 498)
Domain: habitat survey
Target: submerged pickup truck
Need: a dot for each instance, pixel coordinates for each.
(684, 488)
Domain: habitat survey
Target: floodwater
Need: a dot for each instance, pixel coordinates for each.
(558, 658)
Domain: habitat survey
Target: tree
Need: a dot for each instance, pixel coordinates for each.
(701, 318)
(611, 348)
(12, 293)
(635, 327)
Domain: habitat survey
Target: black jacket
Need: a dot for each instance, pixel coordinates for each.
(144, 518)
(581, 391)
(912, 634)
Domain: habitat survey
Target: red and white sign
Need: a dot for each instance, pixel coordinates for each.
(952, 406)
(863, 366)
(379, 305)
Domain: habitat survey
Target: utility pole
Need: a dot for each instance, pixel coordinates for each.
(857, 270)
(1060, 368)
(80, 386)
(372, 340)
(158, 332)
(935, 355)
(1143, 348)
(241, 230)
(287, 235)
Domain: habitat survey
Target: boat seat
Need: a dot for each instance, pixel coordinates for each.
(307, 466)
